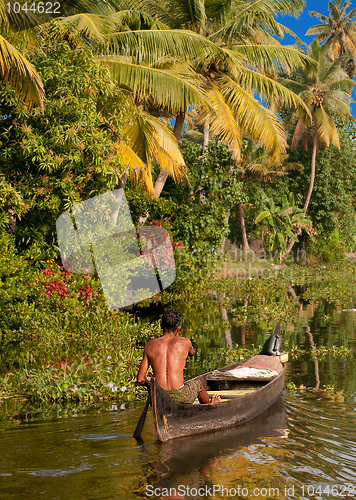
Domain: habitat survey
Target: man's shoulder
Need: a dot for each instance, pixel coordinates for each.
(182, 340)
(152, 342)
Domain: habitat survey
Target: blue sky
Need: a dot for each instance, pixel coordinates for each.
(301, 25)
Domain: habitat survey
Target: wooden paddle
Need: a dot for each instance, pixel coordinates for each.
(139, 427)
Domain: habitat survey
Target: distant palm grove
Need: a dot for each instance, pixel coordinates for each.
(215, 129)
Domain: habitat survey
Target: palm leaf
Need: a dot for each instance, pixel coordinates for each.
(129, 17)
(267, 87)
(167, 153)
(129, 158)
(326, 128)
(18, 72)
(173, 90)
(253, 18)
(94, 26)
(270, 57)
(254, 119)
(151, 45)
(223, 122)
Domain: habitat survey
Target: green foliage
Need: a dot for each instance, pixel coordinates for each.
(57, 339)
(332, 205)
(331, 248)
(283, 222)
(56, 159)
(195, 214)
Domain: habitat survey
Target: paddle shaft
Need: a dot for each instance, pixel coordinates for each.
(139, 427)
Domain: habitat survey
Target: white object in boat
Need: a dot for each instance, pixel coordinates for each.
(246, 372)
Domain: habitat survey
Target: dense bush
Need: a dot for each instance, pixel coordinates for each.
(53, 160)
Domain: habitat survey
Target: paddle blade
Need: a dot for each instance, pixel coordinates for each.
(141, 422)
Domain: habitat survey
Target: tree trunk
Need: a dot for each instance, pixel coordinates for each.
(245, 244)
(162, 176)
(118, 196)
(222, 246)
(224, 316)
(205, 137)
(316, 362)
(312, 173)
(311, 184)
(12, 221)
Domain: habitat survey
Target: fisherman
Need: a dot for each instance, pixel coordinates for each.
(167, 356)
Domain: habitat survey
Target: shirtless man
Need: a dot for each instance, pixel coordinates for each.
(167, 356)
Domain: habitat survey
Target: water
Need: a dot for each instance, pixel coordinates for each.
(302, 444)
(304, 447)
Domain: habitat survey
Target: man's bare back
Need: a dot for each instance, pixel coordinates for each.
(167, 356)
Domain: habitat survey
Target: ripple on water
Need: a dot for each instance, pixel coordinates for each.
(322, 440)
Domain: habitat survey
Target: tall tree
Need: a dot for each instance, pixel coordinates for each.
(325, 90)
(338, 31)
(235, 27)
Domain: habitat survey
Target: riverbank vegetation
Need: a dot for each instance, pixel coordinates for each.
(242, 148)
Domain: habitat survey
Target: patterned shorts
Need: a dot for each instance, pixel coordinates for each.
(186, 394)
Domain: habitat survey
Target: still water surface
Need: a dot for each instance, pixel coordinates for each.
(303, 447)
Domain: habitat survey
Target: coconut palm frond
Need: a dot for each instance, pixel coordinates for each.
(324, 19)
(320, 30)
(338, 105)
(167, 149)
(223, 122)
(172, 89)
(270, 89)
(148, 137)
(129, 158)
(151, 45)
(132, 17)
(254, 119)
(273, 57)
(249, 18)
(94, 26)
(326, 129)
(18, 72)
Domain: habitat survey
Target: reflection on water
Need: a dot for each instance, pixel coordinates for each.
(190, 461)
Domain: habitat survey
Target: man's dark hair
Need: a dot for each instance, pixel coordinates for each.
(171, 319)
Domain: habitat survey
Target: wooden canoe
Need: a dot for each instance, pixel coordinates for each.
(173, 419)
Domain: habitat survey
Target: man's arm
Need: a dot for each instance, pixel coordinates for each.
(191, 349)
(141, 378)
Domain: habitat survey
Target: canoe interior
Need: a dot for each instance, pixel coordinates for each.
(251, 398)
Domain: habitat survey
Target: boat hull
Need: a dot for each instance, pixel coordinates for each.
(173, 419)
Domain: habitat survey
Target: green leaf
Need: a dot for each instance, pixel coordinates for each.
(291, 235)
(262, 216)
(281, 241)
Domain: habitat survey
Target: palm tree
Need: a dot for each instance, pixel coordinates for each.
(229, 74)
(325, 90)
(15, 69)
(338, 31)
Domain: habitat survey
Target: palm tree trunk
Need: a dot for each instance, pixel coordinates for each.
(118, 196)
(311, 184)
(312, 173)
(245, 244)
(205, 137)
(162, 176)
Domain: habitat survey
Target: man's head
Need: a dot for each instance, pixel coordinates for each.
(171, 320)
